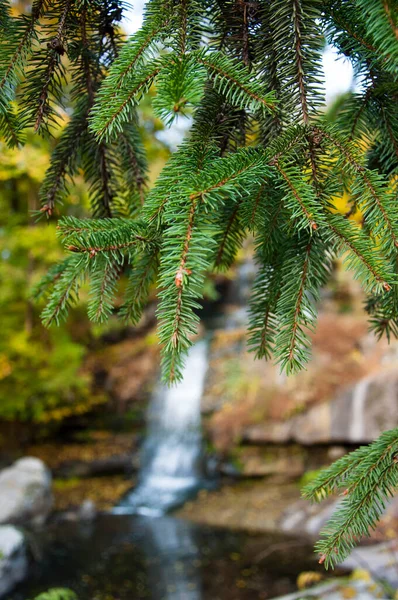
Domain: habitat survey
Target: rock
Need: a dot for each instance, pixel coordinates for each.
(314, 426)
(336, 452)
(338, 590)
(274, 433)
(87, 511)
(111, 465)
(358, 414)
(305, 518)
(13, 558)
(363, 412)
(381, 558)
(257, 462)
(25, 492)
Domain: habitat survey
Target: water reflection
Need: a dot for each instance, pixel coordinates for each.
(175, 575)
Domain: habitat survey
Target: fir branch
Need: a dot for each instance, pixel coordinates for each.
(131, 57)
(186, 255)
(64, 161)
(143, 274)
(345, 25)
(23, 46)
(301, 199)
(65, 292)
(382, 28)
(297, 18)
(378, 206)
(106, 191)
(333, 478)
(121, 103)
(180, 87)
(70, 227)
(43, 88)
(256, 205)
(104, 241)
(383, 310)
(11, 129)
(133, 162)
(369, 266)
(175, 337)
(41, 289)
(305, 271)
(236, 82)
(369, 485)
(231, 238)
(263, 321)
(105, 273)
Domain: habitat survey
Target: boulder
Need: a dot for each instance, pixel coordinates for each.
(359, 414)
(339, 590)
(13, 558)
(25, 492)
(304, 518)
(87, 511)
(257, 462)
(380, 558)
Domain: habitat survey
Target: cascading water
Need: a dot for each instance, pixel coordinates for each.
(357, 427)
(170, 460)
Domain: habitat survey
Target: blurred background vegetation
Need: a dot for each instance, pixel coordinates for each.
(43, 375)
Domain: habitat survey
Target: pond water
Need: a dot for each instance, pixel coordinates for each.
(120, 557)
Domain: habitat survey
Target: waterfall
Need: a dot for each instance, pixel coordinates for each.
(170, 458)
(357, 426)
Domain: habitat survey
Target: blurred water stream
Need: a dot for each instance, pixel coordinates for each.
(170, 458)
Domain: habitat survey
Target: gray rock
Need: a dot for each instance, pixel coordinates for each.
(25, 492)
(363, 412)
(13, 558)
(336, 452)
(304, 518)
(381, 559)
(274, 433)
(358, 415)
(87, 511)
(336, 590)
(314, 427)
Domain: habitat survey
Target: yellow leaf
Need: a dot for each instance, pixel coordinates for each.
(308, 578)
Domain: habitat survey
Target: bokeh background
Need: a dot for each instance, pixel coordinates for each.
(76, 397)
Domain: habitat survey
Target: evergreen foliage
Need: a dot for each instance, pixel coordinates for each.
(368, 477)
(261, 159)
